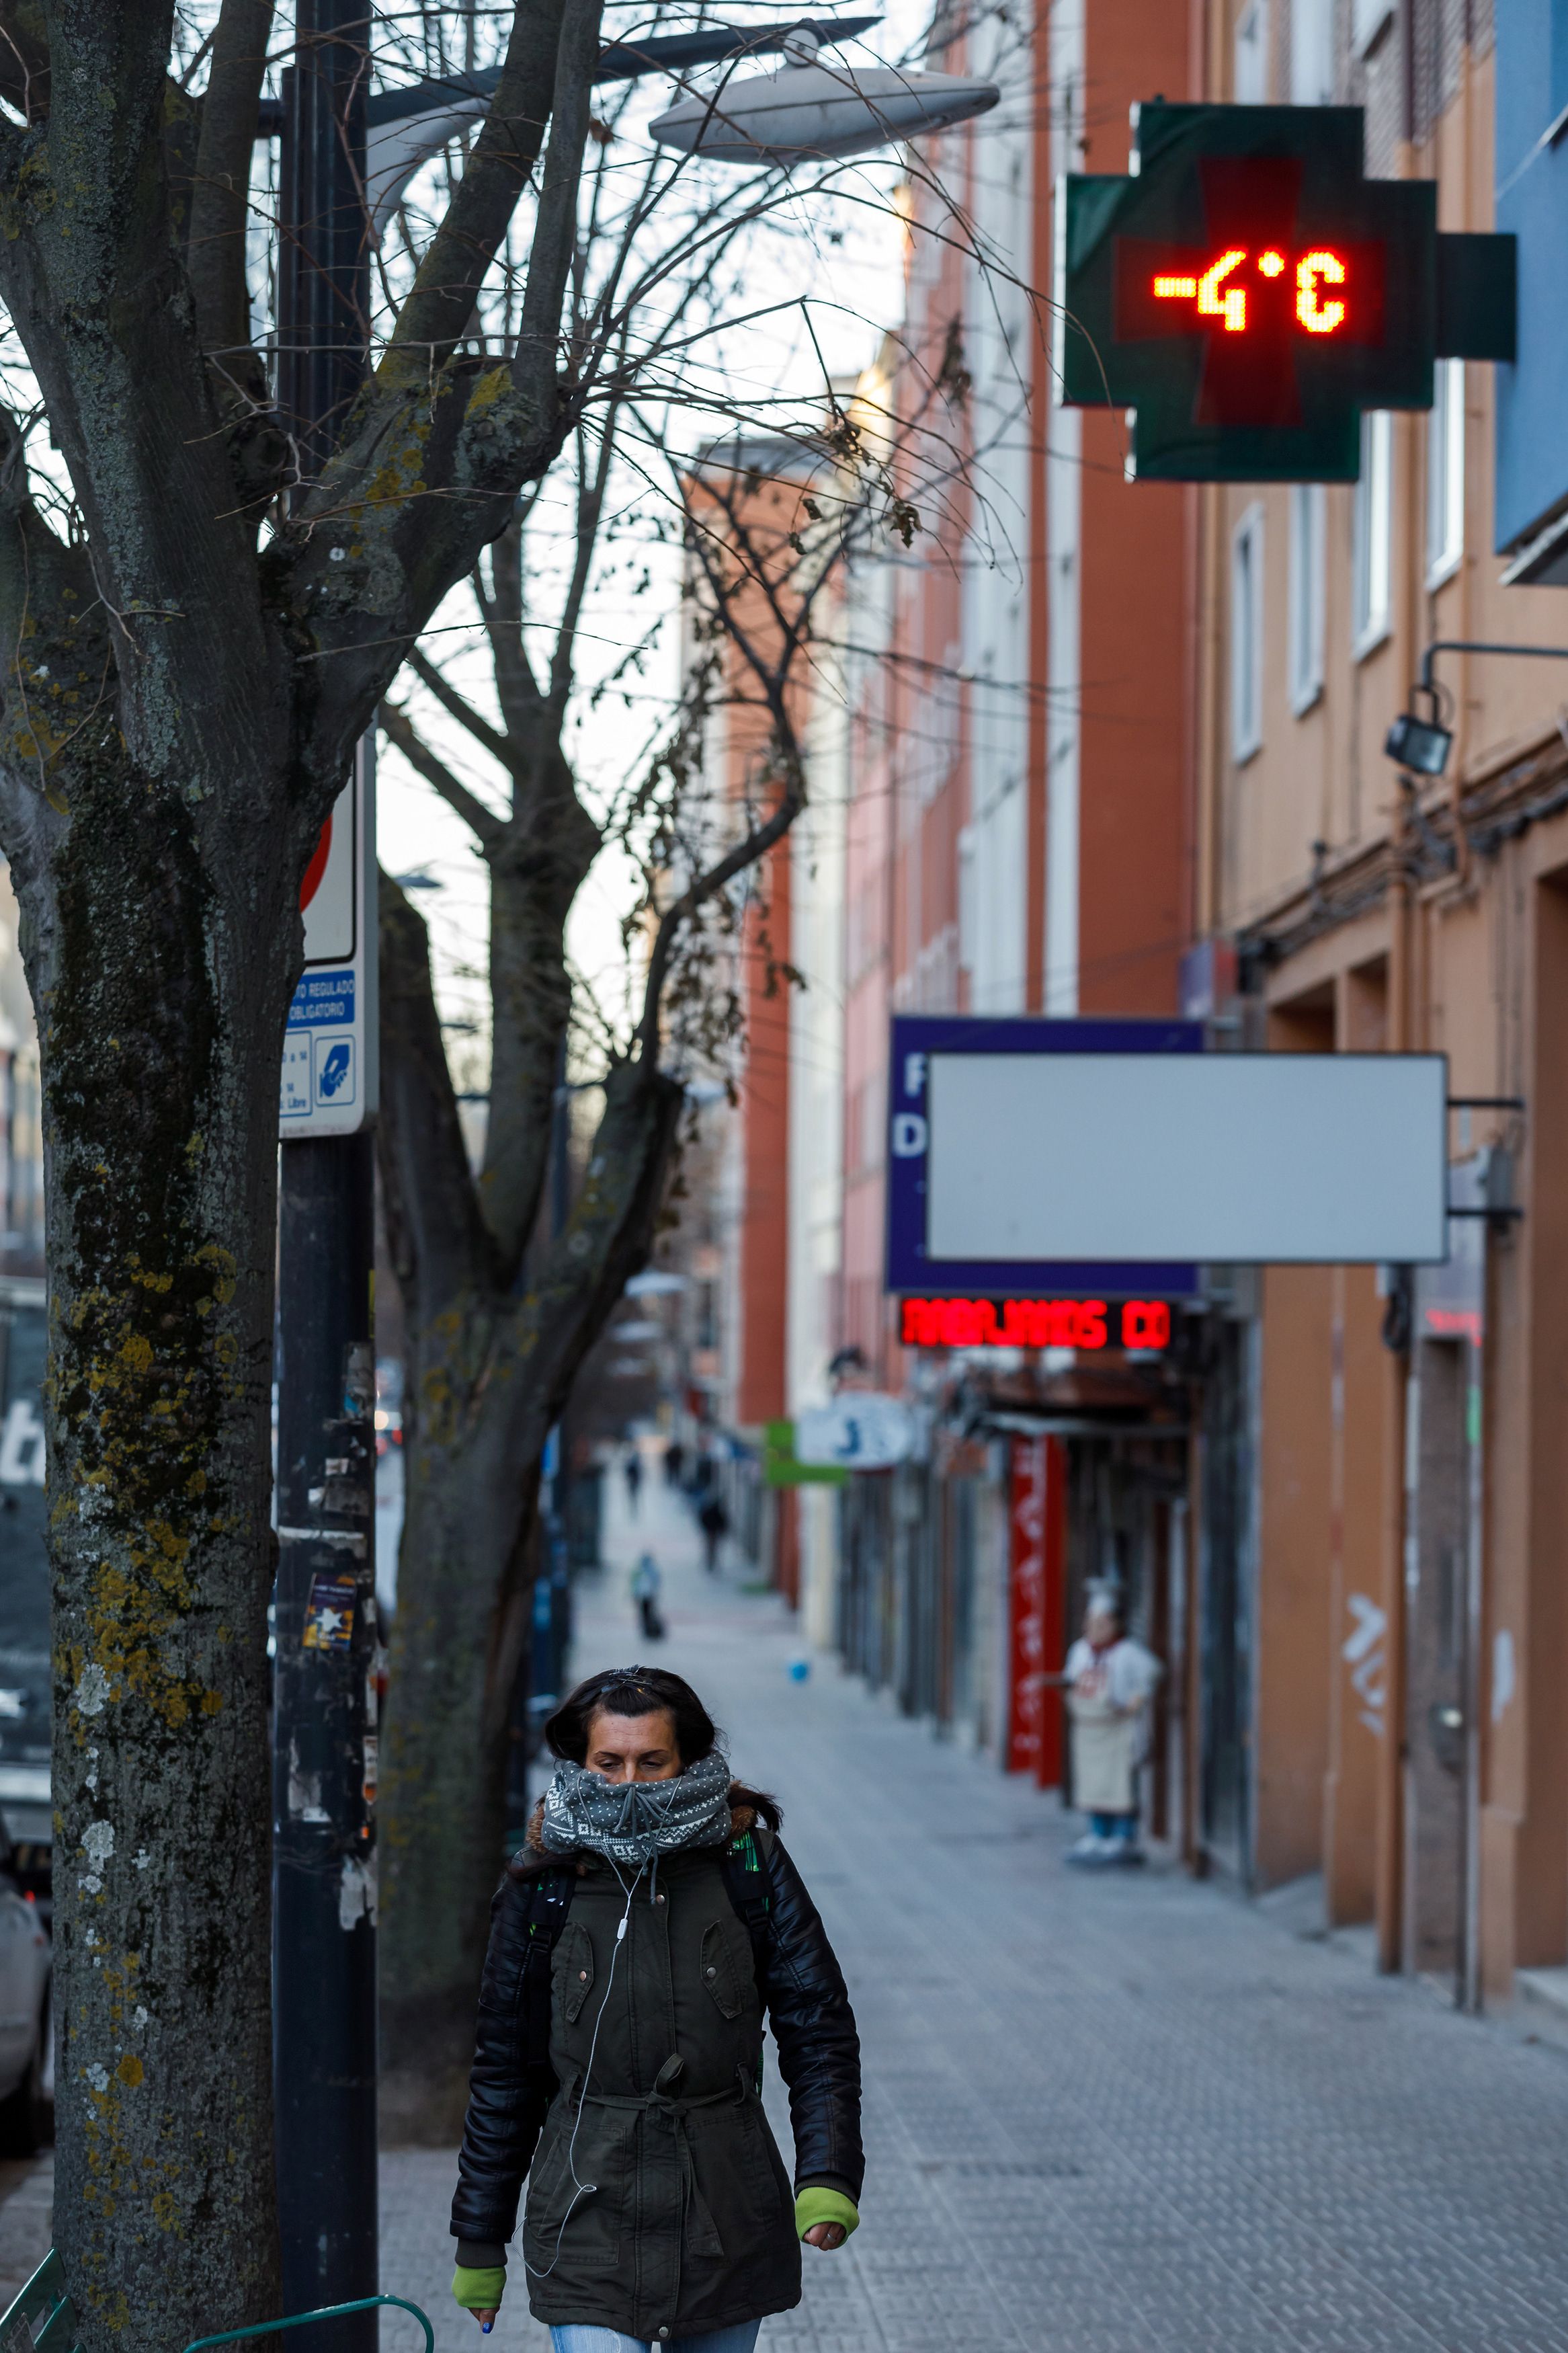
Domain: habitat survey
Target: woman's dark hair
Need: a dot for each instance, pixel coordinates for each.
(632, 1691)
(646, 1690)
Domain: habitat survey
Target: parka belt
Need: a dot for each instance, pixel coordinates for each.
(657, 2102)
(700, 2231)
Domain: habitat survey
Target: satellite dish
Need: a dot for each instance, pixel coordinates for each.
(808, 112)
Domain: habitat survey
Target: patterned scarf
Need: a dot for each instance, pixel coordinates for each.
(636, 1822)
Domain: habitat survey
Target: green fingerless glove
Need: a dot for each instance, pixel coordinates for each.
(479, 2291)
(813, 2206)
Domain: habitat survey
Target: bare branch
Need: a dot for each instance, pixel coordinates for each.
(220, 200)
(24, 59)
(438, 1241)
(555, 229)
(550, 845)
(501, 609)
(754, 846)
(591, 489)
(440, 303)
(497, 745)
(480, 821)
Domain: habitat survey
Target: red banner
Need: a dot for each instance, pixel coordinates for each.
(1055, 1652)
(1027, 1695)
(1037, 1534)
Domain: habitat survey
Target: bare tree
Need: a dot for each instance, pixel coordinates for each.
(186, 663)
(496, 1330)
(193, 638)
(500, 1311)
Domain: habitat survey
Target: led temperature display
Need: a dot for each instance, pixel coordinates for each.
(1244, 293)
(1035, 1323)
(1220, 291)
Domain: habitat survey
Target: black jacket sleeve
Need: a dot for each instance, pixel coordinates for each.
(807, 2005)
(512, 2083)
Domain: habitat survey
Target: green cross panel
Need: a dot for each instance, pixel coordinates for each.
(1246, 292)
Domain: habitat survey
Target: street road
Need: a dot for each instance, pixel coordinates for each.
(1126, 2114)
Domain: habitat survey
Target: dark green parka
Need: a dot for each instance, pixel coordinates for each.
(626, 2087)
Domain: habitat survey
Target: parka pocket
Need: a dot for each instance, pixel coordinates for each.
(719, 1973)
(572, 1972)
(577, 2190)
(761, 2167)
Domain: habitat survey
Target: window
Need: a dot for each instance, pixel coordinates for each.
(1311, 52)
(1308, 536)
(1446, 473)
(1246, 634)
(1251, 62)
(1372, 530)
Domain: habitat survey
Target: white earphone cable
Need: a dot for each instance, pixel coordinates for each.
(587, 2189)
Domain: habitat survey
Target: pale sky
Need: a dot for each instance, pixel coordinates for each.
(855, 287)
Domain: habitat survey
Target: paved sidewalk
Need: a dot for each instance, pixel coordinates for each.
(26, 2211)
(1122, 2114)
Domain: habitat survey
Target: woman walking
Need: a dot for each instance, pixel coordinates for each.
(635, 1945)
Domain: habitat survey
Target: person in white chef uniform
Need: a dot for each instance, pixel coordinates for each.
(1109, 1680)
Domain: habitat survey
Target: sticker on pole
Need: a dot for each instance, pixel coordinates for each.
(329, 1614)
(329, 1058)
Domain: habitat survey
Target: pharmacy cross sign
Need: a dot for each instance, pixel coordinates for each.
(1247, 291)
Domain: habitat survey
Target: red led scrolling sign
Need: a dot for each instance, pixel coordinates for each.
(1035, 1323)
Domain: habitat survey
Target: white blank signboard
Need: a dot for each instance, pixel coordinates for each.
(1262, 1158)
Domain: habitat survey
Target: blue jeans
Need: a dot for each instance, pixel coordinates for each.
(1106, 1826)
(610, 2340)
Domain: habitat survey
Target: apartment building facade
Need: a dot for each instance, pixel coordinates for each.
(1113, 747)
(1001, 822)
(1399, 1485)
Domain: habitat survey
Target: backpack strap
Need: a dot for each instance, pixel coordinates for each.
(548, 1895)
(744, 1865)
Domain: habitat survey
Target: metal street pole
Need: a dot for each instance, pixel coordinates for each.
(324, 1943)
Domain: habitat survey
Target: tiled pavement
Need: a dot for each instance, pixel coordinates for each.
(26, 2204)
(1120, 2115)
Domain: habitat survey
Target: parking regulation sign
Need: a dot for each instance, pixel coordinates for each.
(330, 1057)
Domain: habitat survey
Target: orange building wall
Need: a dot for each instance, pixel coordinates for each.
(1357, 1663)
(1135, 743)
(765, 1124)
(1290, 1712)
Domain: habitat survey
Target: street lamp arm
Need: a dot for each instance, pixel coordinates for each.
(1424, 744)
(1480, 645)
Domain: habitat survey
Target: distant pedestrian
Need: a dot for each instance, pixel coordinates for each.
(1109, 1680)
(674, 1462)
(650, 1922)
(633, 1473)
(647, 1586)
(714, 1522)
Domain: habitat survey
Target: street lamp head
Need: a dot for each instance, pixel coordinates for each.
(1419, 744)
(809, 113)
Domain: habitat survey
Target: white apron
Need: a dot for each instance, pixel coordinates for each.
(1104, 1757)
(1106, 1700)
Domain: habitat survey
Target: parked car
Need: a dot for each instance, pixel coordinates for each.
(27, 2072)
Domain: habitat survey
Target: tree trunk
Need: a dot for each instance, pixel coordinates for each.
(470, 1483)
(177, 715)
(161, 968)
(489, 1370)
